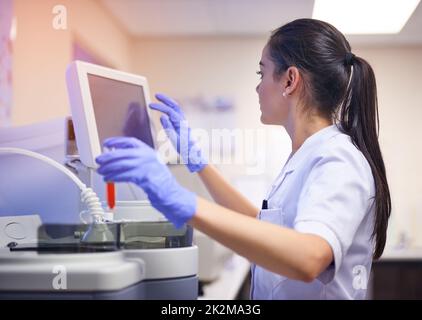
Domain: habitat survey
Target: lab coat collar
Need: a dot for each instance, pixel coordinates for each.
(310, 144)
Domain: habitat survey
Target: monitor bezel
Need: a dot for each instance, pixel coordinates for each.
(82, 109)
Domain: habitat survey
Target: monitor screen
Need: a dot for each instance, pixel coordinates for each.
(119, 109)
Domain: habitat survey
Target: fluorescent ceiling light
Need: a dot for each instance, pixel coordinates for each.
(365, 16)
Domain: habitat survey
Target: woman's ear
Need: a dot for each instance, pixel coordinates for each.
(292, 80)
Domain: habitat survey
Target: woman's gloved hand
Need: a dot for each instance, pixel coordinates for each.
(131, 160)
(179, 133)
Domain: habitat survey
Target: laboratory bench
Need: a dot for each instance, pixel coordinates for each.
(233, 282)
(397, 275)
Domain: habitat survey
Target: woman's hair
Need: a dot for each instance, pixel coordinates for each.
(341, 86)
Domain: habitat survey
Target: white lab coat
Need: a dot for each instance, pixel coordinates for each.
(326, 188)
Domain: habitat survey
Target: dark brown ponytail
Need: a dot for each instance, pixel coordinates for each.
(343, 87)
(359, 119)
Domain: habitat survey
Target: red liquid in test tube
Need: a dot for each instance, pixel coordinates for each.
(111, 195)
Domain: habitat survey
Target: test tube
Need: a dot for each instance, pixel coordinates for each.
(111, 195)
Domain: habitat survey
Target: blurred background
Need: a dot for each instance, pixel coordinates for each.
(205, 54)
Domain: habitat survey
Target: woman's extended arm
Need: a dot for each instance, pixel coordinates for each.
(225, 194)
(281, 250)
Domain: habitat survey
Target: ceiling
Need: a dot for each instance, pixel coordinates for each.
(250, 18)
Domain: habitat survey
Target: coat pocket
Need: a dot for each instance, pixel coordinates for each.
(275, 216)
(264, 281)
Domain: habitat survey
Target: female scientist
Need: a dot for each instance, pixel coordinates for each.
(325, 217)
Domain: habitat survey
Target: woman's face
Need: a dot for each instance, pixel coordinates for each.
(274, 107)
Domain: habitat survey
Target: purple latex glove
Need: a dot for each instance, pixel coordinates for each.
(179, 133)
(131, 160)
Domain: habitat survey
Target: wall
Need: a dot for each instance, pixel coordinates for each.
(41, 53)
(6, 16)
(209, 67)
(192, 66)
(398, 73)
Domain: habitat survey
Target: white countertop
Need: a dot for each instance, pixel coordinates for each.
(228, 284)
(411, 253)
